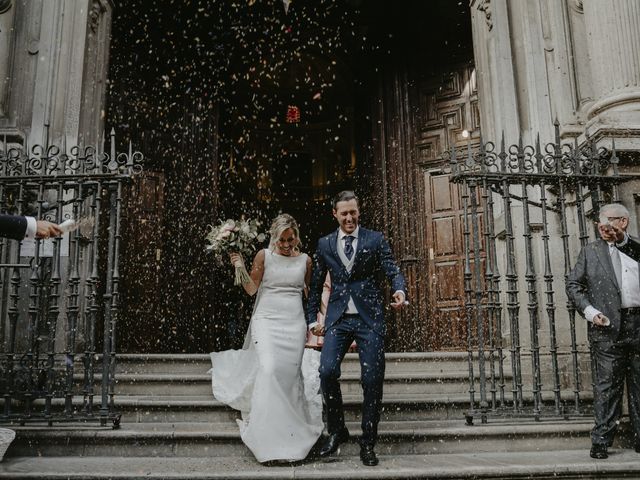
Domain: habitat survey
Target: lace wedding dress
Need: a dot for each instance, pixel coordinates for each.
(273, 380)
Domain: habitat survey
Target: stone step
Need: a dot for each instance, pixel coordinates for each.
(205, 408)
(396, 363)
(200, 384)
(572, 464)
(187, 439)
(208, 409)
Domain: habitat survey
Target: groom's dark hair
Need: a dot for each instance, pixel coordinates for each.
(344, 196)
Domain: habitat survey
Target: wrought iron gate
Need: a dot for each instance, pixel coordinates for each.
(555, 184)
(57, 294)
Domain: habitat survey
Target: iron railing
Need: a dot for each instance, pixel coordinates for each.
(56, 294)
(557, 183)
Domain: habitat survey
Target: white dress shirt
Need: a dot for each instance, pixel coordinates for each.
(32, 228)
(351, 307)
(630, 288)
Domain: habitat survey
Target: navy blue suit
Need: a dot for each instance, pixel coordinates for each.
(373, 257)
(13, 226)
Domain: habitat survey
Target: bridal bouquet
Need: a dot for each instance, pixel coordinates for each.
(235, 236)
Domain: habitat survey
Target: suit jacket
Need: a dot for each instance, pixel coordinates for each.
(632, 248)
(593, 282)
(13, 226)
(372, 257)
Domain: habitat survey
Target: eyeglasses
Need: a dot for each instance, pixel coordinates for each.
(611, 219)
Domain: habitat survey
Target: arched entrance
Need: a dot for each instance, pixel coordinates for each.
(244, 109)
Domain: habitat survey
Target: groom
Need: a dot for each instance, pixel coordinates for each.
(354, 257)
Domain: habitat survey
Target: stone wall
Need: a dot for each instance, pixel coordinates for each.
(53, 58)
(572, 60)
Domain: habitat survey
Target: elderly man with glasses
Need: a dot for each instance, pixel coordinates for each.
(604, 286)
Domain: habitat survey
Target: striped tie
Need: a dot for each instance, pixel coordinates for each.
(348, 246)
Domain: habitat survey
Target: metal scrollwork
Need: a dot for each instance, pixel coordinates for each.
(553, 162)
(56, 182)
(82, 161)
(489, 157)
(528, 183)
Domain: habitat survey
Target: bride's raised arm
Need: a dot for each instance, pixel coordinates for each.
(257, 270)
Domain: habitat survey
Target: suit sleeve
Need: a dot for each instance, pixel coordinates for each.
(318, 275)
(390, 267)
(631, 248)
(577, 284)
(13, 226)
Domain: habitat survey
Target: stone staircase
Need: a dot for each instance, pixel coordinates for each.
(172, 427)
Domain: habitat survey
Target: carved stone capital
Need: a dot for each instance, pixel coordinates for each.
(577, 5)
(5, 6)
(484, 6)
(95, 13)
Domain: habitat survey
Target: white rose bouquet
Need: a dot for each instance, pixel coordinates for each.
(237, 236)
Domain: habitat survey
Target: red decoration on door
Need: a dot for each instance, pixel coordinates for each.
(293, 114)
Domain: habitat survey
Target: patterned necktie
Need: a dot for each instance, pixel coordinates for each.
(617, 265)
(348, 246)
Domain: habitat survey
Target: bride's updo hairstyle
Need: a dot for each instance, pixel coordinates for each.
(281, 223)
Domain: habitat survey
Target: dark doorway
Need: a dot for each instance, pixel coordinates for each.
(243, 109)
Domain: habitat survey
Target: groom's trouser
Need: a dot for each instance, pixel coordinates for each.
(371, 351)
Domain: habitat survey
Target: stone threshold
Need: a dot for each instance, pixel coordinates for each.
(562, 464)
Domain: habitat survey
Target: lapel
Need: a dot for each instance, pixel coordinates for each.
(637, 240)
(605, 260)
(333, 245)
(362, 238)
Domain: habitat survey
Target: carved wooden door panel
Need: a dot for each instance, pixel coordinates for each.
(444, 239)
(141, 268)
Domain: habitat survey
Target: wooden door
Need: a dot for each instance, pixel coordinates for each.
(142, 263)
(445, 247)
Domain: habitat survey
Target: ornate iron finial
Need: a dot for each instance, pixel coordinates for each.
(538, 154)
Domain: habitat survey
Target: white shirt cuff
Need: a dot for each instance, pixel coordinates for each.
(312, 325)
(402, 292)
(591, 312)
(32, 228)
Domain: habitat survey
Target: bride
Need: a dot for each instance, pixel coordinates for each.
(281, 412)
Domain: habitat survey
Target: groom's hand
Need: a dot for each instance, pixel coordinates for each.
(318, 330)
(398, 302)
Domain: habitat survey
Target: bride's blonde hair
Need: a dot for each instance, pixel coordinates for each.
(283, 222)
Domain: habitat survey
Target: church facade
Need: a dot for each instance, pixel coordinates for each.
(67, 75)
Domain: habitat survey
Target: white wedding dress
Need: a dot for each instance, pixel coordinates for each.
(274, 380)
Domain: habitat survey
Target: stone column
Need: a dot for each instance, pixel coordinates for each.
(613, 38)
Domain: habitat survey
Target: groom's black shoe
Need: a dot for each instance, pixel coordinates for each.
(368, 456)
(333, 441)
(598, 451)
